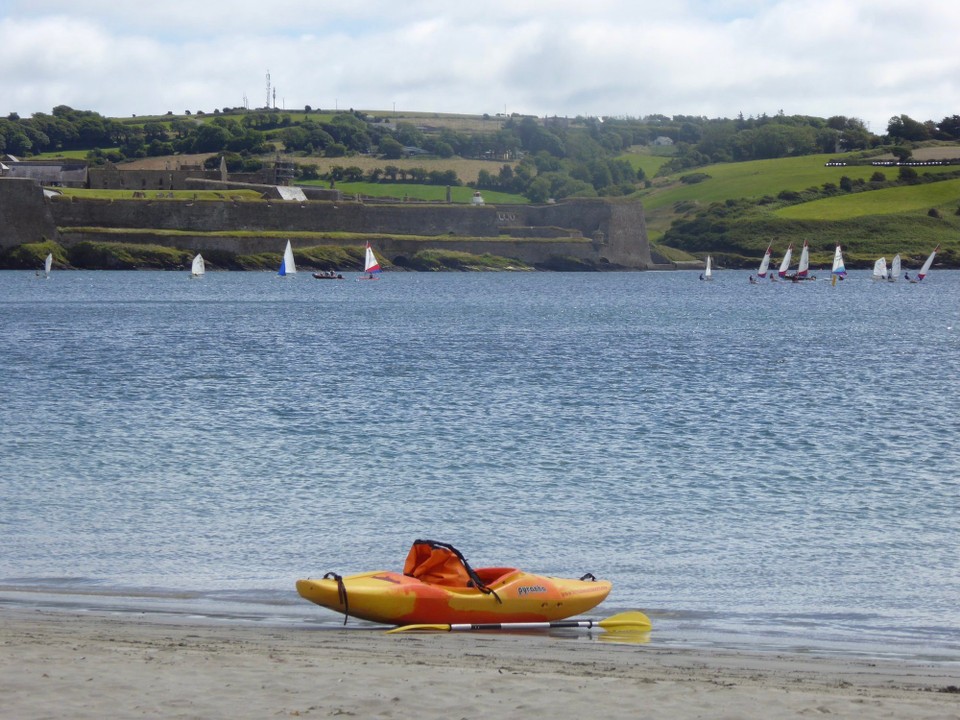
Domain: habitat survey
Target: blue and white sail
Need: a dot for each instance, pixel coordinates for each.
(287, 265)
(838, 269)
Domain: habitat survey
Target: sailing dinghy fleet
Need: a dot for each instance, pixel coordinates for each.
(371, 266)
(838, 270)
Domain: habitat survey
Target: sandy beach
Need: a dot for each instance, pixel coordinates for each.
(59, 665)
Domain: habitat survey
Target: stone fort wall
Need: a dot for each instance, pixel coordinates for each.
(24, 213)
(603, 231)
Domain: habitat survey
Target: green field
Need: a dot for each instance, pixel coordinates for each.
(66, 154)
(944, 196)
(754, 179)
(434, 193)
(206, 195)
(644, 158)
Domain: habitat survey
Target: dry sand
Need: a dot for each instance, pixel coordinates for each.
(62, 665)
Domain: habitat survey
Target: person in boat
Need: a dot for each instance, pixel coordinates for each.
(701, 276)
(370, 276)
(906, 276)
(752, 281)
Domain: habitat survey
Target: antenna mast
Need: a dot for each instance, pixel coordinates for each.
(268, 88)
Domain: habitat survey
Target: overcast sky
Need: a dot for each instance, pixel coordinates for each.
(869, 59)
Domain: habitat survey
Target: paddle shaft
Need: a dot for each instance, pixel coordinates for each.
(633, 620)
(525, 625)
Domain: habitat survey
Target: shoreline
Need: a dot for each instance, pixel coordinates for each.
(674, 628)
(99, 664)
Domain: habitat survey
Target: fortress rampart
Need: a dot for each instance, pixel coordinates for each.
(24, 213)
(599, 231)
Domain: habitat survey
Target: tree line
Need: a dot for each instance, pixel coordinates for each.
(541, 158)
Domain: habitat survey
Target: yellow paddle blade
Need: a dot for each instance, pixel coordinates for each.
(419, 628)
(633, 620)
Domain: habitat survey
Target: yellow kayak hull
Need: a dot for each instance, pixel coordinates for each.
(396, 599)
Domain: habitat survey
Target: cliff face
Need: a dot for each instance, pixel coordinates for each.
(599, 232)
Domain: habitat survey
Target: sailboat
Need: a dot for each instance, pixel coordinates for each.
(838, 270)
(708, 272)
(765, 263)
(926, 266)
(803, 271)
(894, 268)
(785, 263)
(370, 265)
(880, 269)
(48, 265)
(199, 267)
(287, 265)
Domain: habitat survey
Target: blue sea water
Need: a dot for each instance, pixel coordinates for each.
(769, 466)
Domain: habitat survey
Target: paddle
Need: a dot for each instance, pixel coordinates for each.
(633, 620)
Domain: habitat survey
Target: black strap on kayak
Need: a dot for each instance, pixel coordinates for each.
(589, 576)
(474, 578)
(341, 593)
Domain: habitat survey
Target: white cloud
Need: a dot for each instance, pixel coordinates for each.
(868, 59)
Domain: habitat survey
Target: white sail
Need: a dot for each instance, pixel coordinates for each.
(370, 264)
(199, 267)
(708, 273)
(287, 265)
(48, 264)
(765, 263)
(895, 268)
(804, 261)
(926, 265)
(786, 262)
(838, 268)
(880, 269)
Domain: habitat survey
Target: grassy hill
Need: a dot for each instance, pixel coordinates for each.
(751, 180)
(943, 196)
(734, 210)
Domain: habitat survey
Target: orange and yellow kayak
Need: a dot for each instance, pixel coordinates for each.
(508, 595)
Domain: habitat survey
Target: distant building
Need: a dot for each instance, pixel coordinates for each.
(47, 172)
(663, 141)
